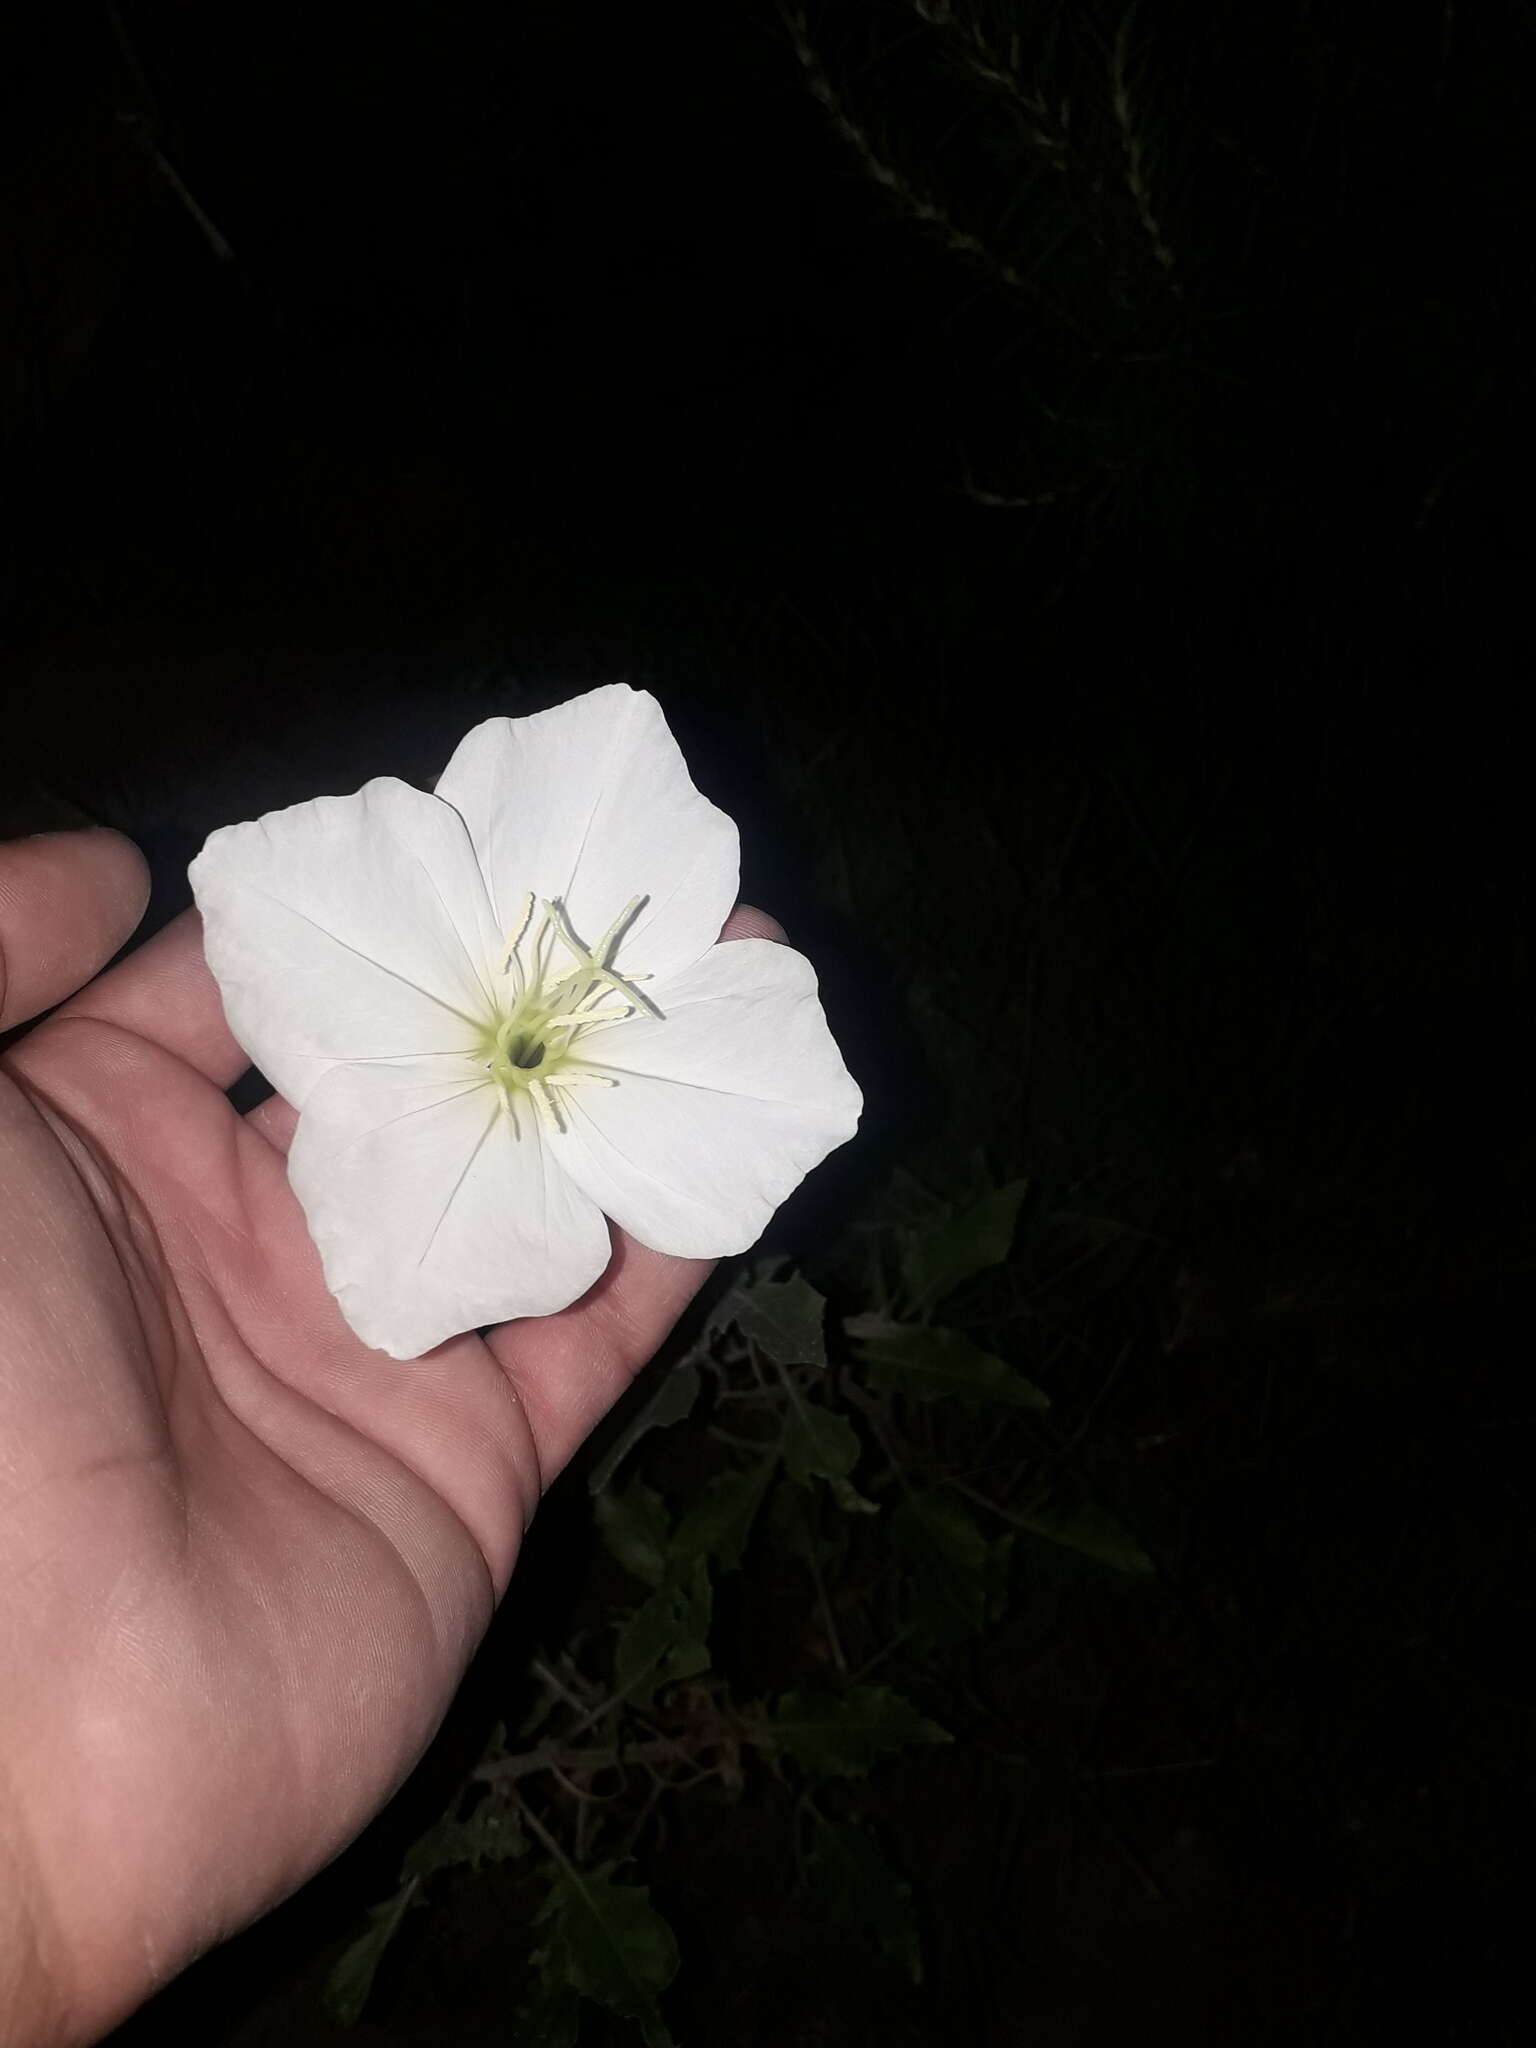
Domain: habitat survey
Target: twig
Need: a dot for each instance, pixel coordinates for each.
(1001, 74)
(1135, 175)
(1003, 1514)
(886, 1650)
(607, 1705)
(1096, 1403)
(542, 1835)
(553, 1682)
(917, 202)
(559, 1759)
(823, 1601)
(833, 1639)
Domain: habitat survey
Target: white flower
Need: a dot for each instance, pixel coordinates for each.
(502, 1015)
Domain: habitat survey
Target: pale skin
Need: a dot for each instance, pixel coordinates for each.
(243, 1558)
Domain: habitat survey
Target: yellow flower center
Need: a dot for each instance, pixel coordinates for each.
(531, 1044)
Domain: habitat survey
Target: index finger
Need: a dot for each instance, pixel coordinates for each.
(68, 900)
(165, 993)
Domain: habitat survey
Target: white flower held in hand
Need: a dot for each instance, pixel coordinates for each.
(502, 1014)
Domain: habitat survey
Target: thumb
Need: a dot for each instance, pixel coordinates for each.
(68, 900)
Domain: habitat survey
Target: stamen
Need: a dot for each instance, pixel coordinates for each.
(627, 988)
(610, 938)
(504, 1090)
(540, 956)
(544, 1100)
(525, 918)
(536, 1034)
(574, 1019)
(595, 967)
(595, 994)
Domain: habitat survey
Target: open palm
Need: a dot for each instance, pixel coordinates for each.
(243, 1558)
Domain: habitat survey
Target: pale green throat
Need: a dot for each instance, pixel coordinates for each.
(531, 1044)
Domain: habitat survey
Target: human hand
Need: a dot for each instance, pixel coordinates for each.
(244, 1559)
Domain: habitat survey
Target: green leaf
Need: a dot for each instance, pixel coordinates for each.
(634, 1524)
(351, 1979)
(719, 1522)
(785, 1318)
(1093, 1532)
(819, 1445)
(839, 1735)
(851, 1882)
(676, 1392)
(608, 1942)
(490, 1835)
(916, 1359)
(935, 1261)
(956, 1580)
(667, 1638)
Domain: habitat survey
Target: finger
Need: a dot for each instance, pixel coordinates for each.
(276, 1121)
(570, 1368)
(746, 921)
(164, 992)
(68, 900)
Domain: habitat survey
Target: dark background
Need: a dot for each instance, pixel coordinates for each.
(1066, 474)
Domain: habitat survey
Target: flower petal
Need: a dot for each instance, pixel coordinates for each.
(348, 928)
(431, 1216)
(721, 1108)
(592, 802)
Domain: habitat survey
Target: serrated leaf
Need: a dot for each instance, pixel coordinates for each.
(851, 1882)
(490, 1835)
(784, 1317)
(607, 1942)
(935, 1261)
(839, 1735)
(1093, 1532)
(720, 1521)
(667, 1637)
(956, 1578)
(932, 1364)
(676, 1392)
(351, 1978)
(819, 1445)
(634, 1524)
